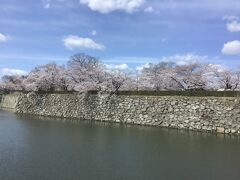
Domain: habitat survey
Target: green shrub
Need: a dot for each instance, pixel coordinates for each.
(158, 93)
(182, 93)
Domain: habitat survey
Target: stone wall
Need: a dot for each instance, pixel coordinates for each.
(9, 101)
(215, 114)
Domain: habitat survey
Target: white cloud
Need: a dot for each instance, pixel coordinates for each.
(233, 26)
(117, 66)
(75, 42)
(141, 67)
(94, 32)
(179, 59)
(182, 59)
(131, 60)
(230, 18)
(47, 6)
(11, 72)
(149, 9)
(217, 67)
(3, 38)
(144, 62)
(107, 6)
(231, 48)
(47, 3)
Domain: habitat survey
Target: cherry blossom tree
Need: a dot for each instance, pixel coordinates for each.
(49, 77)
(223, 78)
(169, 76)
(190, 76)
(118, 80)
(12, 83)
(157, 76)
(85, 73)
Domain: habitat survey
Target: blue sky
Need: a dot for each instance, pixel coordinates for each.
(132, 32)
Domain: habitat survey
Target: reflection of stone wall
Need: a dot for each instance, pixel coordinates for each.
(216, 114)
(8, 101)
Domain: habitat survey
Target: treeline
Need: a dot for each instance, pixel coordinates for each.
(86, 73)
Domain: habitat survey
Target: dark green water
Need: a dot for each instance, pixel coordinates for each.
(34, 148)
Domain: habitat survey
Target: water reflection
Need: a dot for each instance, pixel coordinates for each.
(181, 132)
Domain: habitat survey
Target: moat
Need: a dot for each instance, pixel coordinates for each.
(43, 148)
